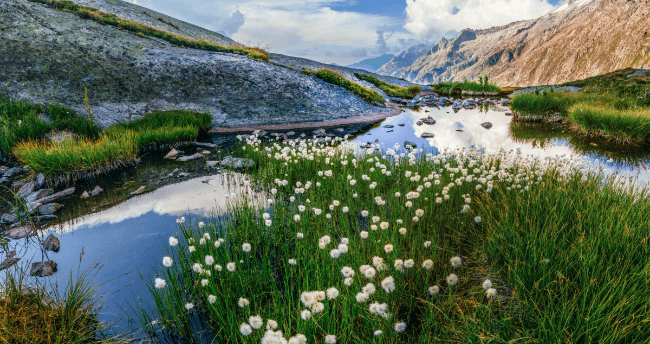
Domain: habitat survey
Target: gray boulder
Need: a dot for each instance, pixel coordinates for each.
(38, 195)
(26, 190)
(427, 135)
(40, 180)
(51, 243)
(12, 172)
(237, 163)
(43, 269)
(8, 218)
(4, 181)
(19, 232)
(49, 209)
(3, 170)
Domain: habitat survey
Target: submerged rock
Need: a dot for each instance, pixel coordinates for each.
(411, 144)
(43, 269)
(427, 135)
(486, 125)
(204, 144)
(96, 191)
(39, 195)
(7, 263)
(172, 154)
(51, 243)
(190, 157)
(19, 232)
(60, 194)
(389, 126)
(237, 163)
(49, 209)
(43, 218)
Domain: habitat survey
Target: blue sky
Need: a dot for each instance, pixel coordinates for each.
(346, 31)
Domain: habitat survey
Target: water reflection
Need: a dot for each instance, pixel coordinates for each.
(463, 129)
(131, 237)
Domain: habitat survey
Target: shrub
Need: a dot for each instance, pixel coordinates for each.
(547, 103)
(459, 87)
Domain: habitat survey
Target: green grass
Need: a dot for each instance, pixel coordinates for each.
(31, 314)
(458, 87)
(117, 144)
(149, 31)
(576, 253)
(21, 121)
(72, 155)
(610, 106)
(335, 78)
(546, 103)
(632, 127)
(566, 251)
(391, 90)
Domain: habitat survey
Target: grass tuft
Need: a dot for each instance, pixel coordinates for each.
(632, 127)
(391, 90)
(335, 78)
(452, 88)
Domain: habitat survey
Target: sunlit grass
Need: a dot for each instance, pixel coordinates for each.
(391, 90)
(624, 126)
(150, 31)
(336, 79)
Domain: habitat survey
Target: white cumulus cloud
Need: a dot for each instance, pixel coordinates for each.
(431, 19)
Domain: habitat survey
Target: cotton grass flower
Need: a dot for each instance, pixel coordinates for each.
(189, 306)
(231, 267)
(369, 289)
(402, 231)
(299, 235)
(362, 297)
(160, 283)
(209, 260)
(348, 281)
(487, 284)
(363, 235)
(427, 243)
(167, 261)
(212, 299)
(307, 298)
(245, 329)
(292, 261)
(330, 339)
(243, 302)
(335, 253)
(378, 332)
(173, 241)
(256, 321)
(409, 263)
(191, 249)
(305, 315)
(368, 271)
(296, 218)
(388, 284)
(427, 264)
(332, 293)
(204, 282)
(477, 219)
(456, 262)
(491, 293)
(434, 290)
(452, 279)
(388, 248)
(246, 247)
(271, 324)
(347, 271)
(400, 327)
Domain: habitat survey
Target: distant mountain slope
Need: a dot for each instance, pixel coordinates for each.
(372, 64)
(581, 38)
(405, 59)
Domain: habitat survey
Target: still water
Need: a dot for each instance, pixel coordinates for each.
(127, 233)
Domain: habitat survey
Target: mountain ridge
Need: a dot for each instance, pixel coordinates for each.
(531, 52)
